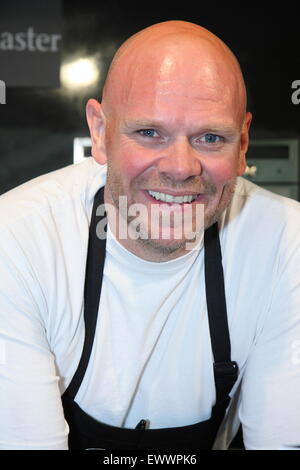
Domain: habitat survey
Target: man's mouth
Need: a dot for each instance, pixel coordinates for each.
(169, 198)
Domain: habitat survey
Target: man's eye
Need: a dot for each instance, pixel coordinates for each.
(148, 133)
(211, 139)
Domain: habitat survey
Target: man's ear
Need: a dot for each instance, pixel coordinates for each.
(97, 123)
(244, 144)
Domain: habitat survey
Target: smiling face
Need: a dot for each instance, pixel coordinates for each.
(174, 135)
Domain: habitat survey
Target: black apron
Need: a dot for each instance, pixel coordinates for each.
(87, 432)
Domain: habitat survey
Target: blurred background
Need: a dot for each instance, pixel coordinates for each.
(54, 56)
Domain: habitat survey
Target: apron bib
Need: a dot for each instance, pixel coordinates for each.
(87, 432)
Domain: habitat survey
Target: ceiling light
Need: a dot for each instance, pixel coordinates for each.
(80, 73)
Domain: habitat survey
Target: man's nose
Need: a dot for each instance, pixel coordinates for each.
(180, 160)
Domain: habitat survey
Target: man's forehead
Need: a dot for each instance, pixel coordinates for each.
(169, 80)
(177, 95)
(179, 109)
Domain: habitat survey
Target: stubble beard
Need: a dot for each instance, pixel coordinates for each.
(211, 214)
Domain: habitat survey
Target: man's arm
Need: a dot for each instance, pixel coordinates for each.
(31, 414)
(270, 407)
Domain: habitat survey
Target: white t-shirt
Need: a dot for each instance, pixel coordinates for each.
(152, 355)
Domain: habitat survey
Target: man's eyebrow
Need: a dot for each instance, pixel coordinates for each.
(221, 128)
(136, 123)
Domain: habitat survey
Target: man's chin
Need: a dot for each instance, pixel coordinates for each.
(168, 246)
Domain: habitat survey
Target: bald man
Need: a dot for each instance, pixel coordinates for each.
(150, 295)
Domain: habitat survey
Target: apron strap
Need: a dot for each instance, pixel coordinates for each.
(225, 371)
(92, 291)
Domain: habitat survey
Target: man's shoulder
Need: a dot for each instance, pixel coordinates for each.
(261, 201)
(46, 192)
(263, 218)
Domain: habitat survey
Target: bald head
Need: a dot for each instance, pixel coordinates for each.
(172, 120)
(170, 53)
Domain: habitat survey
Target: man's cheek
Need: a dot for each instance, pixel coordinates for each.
(222, 173)
(128, 167)
(133, 164)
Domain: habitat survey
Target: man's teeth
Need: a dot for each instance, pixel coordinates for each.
(173, 199)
